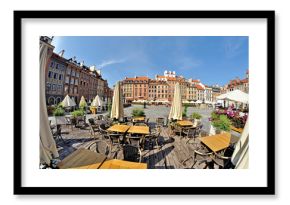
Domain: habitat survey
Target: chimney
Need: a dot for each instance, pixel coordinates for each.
(82, 63)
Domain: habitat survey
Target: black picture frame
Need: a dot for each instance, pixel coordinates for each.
(268, 190)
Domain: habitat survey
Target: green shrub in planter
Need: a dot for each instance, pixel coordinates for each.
(196, 115)
(222, 123)
(138, 112)
(59, 111)
(78, 113)
(214, 116)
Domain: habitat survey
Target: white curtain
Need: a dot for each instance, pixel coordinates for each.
(48, 148)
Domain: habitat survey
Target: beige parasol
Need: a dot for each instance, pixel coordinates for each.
(240, 157)
(176, 107)
(47, 144)
(117, 106)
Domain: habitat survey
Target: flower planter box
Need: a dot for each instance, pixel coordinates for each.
(239, 130)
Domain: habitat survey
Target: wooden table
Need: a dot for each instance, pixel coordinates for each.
(138, 118)
(144, 130)
(118, 128)
(184, 123)
(82, 158)
(217, 142)
(121, 164)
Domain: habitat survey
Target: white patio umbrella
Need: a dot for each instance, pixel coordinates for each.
(97, 102)
(240, 157)
(47, 145)
(176, 107)
(68, 102)
(198, 102)
(236, 95)
(117, 105)
(74, 102)
(83, 102)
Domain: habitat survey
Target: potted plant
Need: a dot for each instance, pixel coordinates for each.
(58, 110)
(219, 123)
(197, 117)
(138, 113)
(77, 116)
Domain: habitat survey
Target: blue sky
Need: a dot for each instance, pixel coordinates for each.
(212, 59)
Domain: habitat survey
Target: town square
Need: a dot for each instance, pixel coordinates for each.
(135, 112)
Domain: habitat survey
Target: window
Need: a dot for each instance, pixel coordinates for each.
(59, 88)
(55, 76)
(75, 90)
(76, 82)
(71, 90)
(72, 80)
(77, 74)
(68, 71)
(73, 73)
(53, 88)
(50, 74)
(57, 66)
(48, 86)
(51, 64)
(67, 79)
(60, 77)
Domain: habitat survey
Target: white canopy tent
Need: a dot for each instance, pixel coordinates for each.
(236, 96)
(198, 102)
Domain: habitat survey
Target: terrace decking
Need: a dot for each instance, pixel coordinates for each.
(170, 155)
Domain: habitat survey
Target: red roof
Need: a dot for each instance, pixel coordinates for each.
(195, 81)
(246, 80)
(138, 78)
(199, 87)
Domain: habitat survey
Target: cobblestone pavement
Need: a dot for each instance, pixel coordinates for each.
(153, 112)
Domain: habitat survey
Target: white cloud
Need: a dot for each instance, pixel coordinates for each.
(109, 62)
